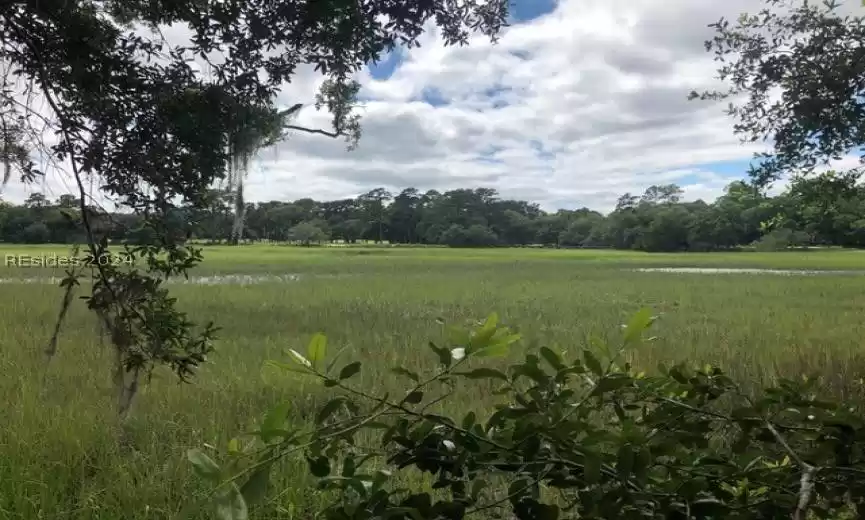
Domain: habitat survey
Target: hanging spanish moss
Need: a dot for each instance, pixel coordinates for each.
(258, 128)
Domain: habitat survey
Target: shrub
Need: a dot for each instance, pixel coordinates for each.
(583, 436)
(781, 239)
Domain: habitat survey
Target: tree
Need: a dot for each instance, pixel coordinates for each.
(404, 216)
(665, 194)
(306, 233)
(828, 205)
(813, 56)
(15, 140)
(473, 236)
(350, 230)
(579, 230)
(373, 203)
(259, 129)
(132, 112)
(36, 200)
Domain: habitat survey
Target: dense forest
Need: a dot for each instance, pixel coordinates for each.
(828, 209)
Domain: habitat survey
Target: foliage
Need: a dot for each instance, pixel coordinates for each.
(574, 436)
(812, 55)
(827, 209)
(475, 235)
(307, 232)
(132, 113)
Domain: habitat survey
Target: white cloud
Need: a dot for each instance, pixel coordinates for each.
(573, 108)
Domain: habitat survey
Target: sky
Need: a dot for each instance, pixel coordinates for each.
(579, 102)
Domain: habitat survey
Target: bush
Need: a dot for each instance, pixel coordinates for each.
(781, 239)
(573, 437)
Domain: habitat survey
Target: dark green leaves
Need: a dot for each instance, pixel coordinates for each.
(414, 397)
(592, 468)
(444, 354)
(592, 363)
(349, 371)
(256, 487)
(611, 445)
(319, 466)
(329, 409)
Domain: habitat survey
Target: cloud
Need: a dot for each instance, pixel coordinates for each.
(581, 103)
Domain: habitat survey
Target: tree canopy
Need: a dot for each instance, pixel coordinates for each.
(826, 209)
(796, 76)
(133, 114)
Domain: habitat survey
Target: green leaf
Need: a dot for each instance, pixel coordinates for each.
(349, 370)
(491, 322)
(328, 409)
(494, 350)
(469, 420)
(400, 512)
(230, 505)
(553, 358)
(407, 373)
(319, 466)
(592, 468)
(234, 446)
(545, 512)
(458, 336)
(349, 466)
(203, 465)
(482, 337)
(255, 488)
(274, 421)
(592, 363)
(638, 324)
(642, 461)
(625, 461)
(483, 373)
(414, 397)
(317, 349)
(611, 383)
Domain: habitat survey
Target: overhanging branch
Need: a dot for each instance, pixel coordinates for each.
(313, 131)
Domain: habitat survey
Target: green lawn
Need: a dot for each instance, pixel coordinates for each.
(59, 457)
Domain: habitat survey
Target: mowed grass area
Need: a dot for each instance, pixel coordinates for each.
(59, 454)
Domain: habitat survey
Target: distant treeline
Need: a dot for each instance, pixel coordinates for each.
(828, 209)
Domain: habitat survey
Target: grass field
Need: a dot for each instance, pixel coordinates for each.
(59, 457)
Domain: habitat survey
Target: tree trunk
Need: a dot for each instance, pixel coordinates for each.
(239, 215)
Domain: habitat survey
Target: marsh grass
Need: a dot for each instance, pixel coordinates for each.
(60, 456)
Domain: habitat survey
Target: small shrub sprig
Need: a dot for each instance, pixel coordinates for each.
(583, 437)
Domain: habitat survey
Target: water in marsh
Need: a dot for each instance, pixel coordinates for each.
(220, 279)
(733, 270)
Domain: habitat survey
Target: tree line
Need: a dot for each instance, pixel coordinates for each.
(827, 209)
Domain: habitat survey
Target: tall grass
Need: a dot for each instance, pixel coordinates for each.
(59, 451)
